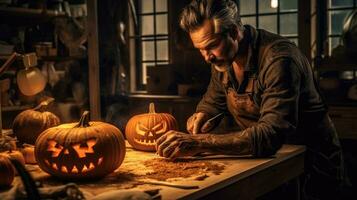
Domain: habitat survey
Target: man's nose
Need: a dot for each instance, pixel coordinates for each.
(208, 56)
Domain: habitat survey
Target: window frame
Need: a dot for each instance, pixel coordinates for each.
(278, 14)
(138, 39)
(330, 36)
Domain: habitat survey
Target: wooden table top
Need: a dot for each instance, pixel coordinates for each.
(238, 170)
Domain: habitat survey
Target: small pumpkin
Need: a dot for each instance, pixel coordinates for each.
(29, 154)
(143, 130)
(14, 154)
(30, 123)
(83, 150)
(7, 142)
(7, 172)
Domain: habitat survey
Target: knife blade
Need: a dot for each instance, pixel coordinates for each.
(212, 123)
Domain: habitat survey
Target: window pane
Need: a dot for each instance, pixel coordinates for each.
(146, 6)
(161, 24)
(268, 23)
(249, 20)
(247, 7)
(333, 43)
(340, 3)
(162, 50)
(265, 6)
(147, 25)
(148, 51)
(288, 24)
(161, 5)
(336, 21)
(144, 75)
(288, 5)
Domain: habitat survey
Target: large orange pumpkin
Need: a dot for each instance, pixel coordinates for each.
(7, 172)
(30, 123)
(80, 150)
(143, 130)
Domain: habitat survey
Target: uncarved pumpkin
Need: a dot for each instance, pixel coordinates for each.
(14, 154)
(30, 123)
(80, 150)
(7, 172)
(143, 130)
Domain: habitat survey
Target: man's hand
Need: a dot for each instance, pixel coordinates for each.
(195, 122)
(176, 144)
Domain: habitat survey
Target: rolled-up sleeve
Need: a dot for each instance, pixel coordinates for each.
(279, 107)
(214, 100)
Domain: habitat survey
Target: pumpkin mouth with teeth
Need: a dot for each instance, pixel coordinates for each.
(73, 159)
(148, 135)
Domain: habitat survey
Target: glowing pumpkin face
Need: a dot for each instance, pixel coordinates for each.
(148, 135)
(142, 130)
(80, 150)
(76, 158)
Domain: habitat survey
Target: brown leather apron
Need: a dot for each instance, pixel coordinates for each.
(241, 104)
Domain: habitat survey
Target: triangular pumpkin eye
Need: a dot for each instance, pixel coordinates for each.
(141, 129)
(160, 128)
(81, 150)
(54, 147)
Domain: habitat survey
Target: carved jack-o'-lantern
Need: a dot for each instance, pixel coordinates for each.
(142, 130)
(80, 150)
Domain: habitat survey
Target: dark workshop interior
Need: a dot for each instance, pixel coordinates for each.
(89, 86)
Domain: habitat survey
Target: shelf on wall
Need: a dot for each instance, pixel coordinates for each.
(335, 64)
(27, 16)
(60, 58)
(15, 108)
(50, 58)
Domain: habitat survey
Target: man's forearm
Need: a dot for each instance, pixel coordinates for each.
(231, 143)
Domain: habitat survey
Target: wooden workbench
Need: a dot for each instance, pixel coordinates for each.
(247, 178)
(242, 177)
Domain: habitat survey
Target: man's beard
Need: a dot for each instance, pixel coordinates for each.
(222, 68)
(224, 65)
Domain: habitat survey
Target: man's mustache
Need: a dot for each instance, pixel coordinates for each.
(215, 61)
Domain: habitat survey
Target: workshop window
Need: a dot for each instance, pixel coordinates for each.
(150, 38)
(277, 16)
(337, 11)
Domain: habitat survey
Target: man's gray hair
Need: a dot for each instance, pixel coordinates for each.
(224, 14)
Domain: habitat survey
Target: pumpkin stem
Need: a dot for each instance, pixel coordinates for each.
(152, 108)
(43, 105)
(84, 121)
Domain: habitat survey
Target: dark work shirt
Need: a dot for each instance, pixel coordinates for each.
(291, 109)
